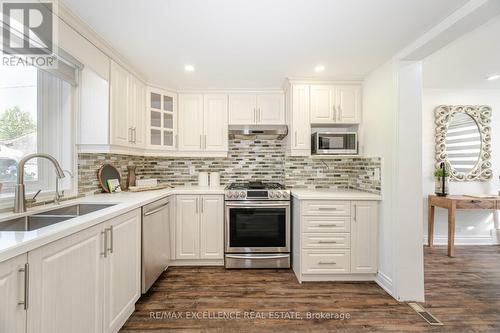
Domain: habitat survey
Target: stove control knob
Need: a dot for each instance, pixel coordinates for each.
(278, 194)
(286, 195)
(242, 194)
(271, 194)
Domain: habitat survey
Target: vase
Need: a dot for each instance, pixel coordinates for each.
(438, 187)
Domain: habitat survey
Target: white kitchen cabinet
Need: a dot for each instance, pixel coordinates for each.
(211, 227)
(270, 109)
(121, 133)
(12, 293)
(190, 122)
(203, 123)
(259, 108)
(88, 281)
(127, 109)
(322, 104)
(187, 227)
(162, 119)
(215, 128)
(242, 109)
(364, 236)
(66, 284)
(299, 137)
(335, 240)
(199, 227)
(122, 269)
(335, 104)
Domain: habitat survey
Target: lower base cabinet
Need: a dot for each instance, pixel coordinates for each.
(335, 240)
(12, 295)
(199, 227)
(86, 282)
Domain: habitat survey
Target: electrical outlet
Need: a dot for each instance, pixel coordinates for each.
(192, 170)
(319, 173)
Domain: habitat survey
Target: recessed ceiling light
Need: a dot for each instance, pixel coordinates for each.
(493, 77)
(189, 68)
(319, 68)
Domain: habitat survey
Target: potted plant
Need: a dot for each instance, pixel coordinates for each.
(441, 179)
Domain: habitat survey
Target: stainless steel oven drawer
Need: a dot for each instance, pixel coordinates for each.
(273, 260)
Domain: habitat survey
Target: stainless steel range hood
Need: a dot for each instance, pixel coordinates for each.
(251, 132)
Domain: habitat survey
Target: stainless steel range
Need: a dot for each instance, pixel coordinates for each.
(257, 228)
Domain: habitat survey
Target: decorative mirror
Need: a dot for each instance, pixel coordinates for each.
(463, 141)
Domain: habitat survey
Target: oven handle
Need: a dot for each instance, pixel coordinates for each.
(257, 205)
(277, 256)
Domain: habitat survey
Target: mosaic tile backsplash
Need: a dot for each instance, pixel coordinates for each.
(262, 160)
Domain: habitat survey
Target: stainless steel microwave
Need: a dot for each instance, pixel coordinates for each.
(331, 143)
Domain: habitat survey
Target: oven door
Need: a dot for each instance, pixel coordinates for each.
(257, 226)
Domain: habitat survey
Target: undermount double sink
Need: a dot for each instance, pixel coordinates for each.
(40, 220)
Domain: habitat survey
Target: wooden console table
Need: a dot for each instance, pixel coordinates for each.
(452, 203)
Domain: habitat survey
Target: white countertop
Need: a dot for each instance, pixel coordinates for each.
(333, 194)
(13, 243)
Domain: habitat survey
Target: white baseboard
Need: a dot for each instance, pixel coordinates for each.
(385, 283)
(463, 240)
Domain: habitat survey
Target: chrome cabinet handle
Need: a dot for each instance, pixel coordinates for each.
(327, 225)
(295, 137)
(327, 242)
(105, 236)
(205, 141)
(340, 112)
(111, 237)
(354, 217)
(25, 301)
(327, 263)
(202, 206)
(135, 135)
(254, 115)
(177, 141)
(201, 141)
(130, 135)
(327, 208)
(334, 109)
(196, 205)
(259, 115)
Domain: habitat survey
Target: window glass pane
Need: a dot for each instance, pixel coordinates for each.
(155, 101)
(168, 103)
(155, 137)
(36, 115)
(168, 139)
(155, 119)
(168, 121)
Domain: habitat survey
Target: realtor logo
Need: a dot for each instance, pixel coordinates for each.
(28, 33)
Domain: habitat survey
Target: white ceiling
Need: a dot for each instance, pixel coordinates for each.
(467, 62)
(258, 43)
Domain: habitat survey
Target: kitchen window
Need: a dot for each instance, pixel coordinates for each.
(37, 112)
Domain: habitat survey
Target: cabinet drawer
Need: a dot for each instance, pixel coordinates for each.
(476, 204)
(326, 207)
(326, 241)
(326, 262)
(326, 223)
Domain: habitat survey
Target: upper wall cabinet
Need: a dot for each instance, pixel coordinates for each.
(336, 104)
(203, 125)
(162, 119)
(127, 108)
(297, 108)
(260, 108)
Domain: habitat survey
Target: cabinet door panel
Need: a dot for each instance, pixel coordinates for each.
(187, 227)
(139, 114)
(122, 269)
(242, 109)
(348, 103)
(215, 122)
(364, 237)
(270, 109)
(119, 99)
(190, 122)
(212, 227)
(12, 314)
(66, 284)
(322, 104)
(301, 127)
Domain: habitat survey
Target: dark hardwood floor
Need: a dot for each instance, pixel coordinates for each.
(463, 292)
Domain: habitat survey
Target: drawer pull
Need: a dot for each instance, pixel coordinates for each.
(327, 225)
(327, 242)
(327, 208)
(327, 263)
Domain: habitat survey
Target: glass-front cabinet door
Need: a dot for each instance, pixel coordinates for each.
(162, 106)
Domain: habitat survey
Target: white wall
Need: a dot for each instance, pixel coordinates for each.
(472, 227)
(379, 133)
